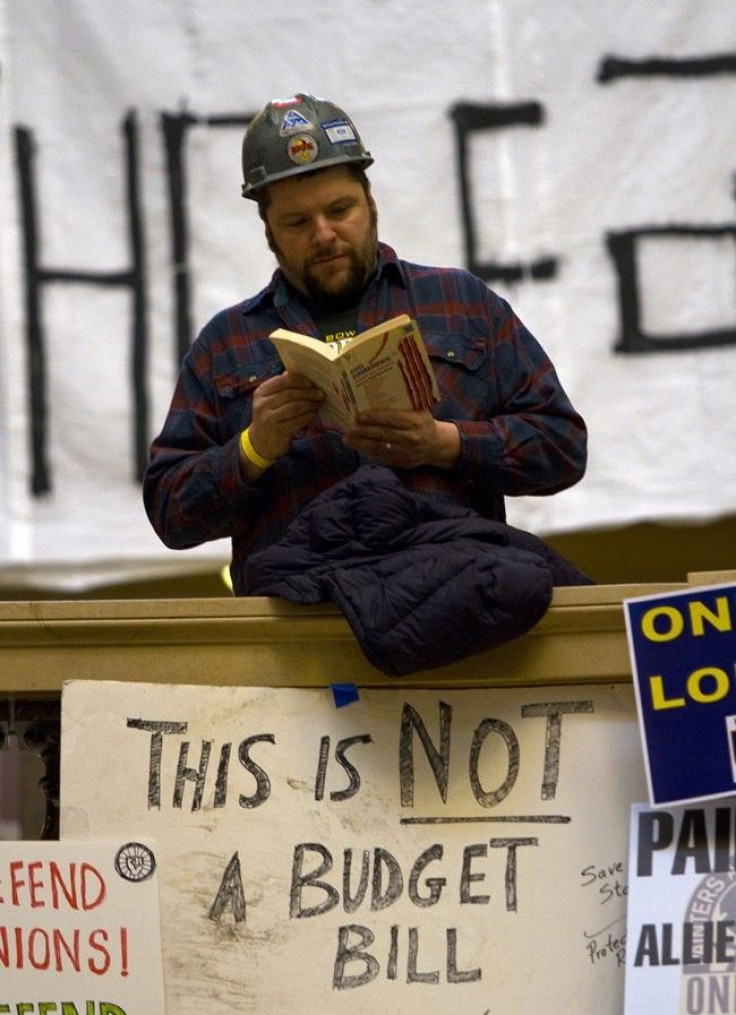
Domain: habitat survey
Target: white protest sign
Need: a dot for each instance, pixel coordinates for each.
(453, 848)
(80, 929)
(682, 910)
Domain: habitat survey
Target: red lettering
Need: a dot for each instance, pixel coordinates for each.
(39, 955)
(78, 886)
(92, 881)
(16, 882)
(35, 884)
(58, 887)
(62, 946)
(106, 961)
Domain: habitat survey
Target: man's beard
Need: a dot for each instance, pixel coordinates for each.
(350, 290)
(362, 265)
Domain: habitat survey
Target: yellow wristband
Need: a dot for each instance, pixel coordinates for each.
(246, 446)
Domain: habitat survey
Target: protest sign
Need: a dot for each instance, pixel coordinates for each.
(413, 850)
(681, 925)
(80, 929)
(683, 652)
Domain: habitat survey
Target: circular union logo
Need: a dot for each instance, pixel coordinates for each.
(135, 862)
(302, 149)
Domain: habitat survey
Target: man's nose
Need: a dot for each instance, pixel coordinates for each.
(324, 231)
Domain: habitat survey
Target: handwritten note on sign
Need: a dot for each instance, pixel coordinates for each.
(79, 929)
(415, 850)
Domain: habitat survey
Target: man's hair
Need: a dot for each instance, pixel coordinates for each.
(263, 197)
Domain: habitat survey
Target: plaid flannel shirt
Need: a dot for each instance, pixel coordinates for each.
(519, 432)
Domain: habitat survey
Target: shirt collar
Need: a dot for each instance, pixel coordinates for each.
(278, 293)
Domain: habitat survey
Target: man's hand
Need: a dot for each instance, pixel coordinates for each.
(406, 440)
(282, 406)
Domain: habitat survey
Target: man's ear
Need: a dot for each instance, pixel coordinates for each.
(374, 215)
(269, 235)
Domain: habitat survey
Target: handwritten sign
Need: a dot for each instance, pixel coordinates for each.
(439, 849)
(682, 910)
(683, 651)
(79, 929)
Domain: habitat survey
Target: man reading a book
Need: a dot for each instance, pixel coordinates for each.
(244, 449)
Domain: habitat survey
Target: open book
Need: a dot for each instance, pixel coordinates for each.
(386, 367)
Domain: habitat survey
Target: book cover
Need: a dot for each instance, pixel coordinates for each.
(386, 367)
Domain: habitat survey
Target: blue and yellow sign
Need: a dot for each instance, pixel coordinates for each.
(683, 654)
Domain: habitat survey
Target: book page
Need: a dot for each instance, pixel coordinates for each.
(314, 359)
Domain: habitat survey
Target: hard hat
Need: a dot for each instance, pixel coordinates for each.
(298, 135)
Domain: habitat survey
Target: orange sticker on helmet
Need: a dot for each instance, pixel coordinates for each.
(302, 149)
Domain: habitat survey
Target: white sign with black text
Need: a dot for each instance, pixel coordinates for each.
(430, 848)
(681, 958)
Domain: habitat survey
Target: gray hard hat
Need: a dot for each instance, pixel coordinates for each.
(298, 135)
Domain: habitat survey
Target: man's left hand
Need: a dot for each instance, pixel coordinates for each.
(405, 440)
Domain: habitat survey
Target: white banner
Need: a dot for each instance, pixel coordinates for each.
(579, 159)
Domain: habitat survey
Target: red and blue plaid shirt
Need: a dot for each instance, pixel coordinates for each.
(519, 432)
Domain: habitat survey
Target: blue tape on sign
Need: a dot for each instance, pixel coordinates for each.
(344, 694)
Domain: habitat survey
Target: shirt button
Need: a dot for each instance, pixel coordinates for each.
(450, 354)
(253, 377)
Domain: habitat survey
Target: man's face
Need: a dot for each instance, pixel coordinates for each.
(322, 227)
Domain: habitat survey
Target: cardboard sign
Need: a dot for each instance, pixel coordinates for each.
(681, 927)
(683, 651)
(79, 929)
(414, 850)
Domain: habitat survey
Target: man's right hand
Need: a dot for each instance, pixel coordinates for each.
(282, 406)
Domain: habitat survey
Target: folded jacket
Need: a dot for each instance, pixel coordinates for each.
(421, 582)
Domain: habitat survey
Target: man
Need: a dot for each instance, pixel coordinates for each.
(243, 450)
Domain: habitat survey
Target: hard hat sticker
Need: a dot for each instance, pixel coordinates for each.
(338, 131)
(302, 149)
(294, 123)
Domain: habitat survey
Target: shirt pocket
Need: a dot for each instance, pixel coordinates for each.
(464, 375)
(235, 390)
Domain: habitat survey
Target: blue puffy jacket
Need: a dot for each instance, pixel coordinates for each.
(421, 582)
